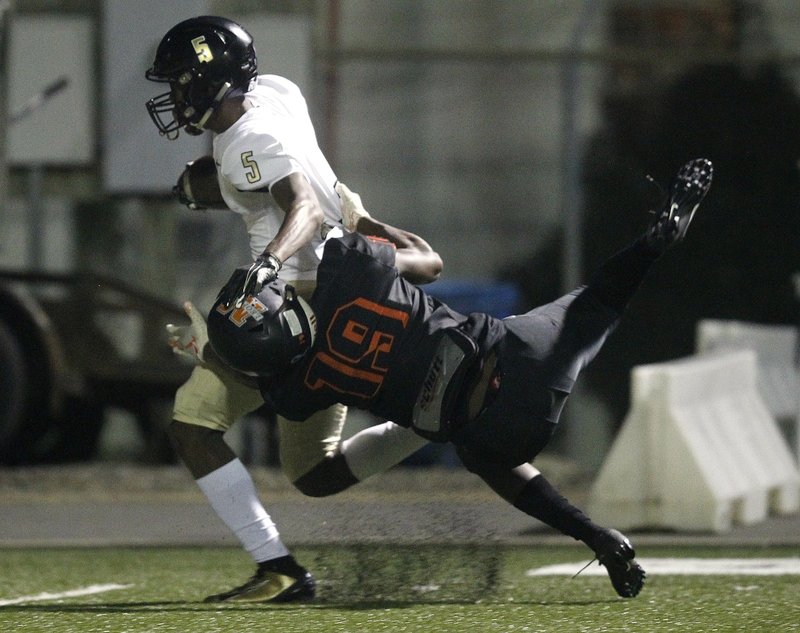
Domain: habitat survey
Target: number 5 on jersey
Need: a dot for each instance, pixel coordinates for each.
(248, 162)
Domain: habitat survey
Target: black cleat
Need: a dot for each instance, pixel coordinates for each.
(686, 191)
(615, 552)
(277, 580)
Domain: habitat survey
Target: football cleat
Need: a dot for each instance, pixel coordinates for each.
(615, 552)
(277, 580)
(686, 191)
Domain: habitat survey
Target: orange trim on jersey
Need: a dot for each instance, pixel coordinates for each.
(347, 370)
(383, 240)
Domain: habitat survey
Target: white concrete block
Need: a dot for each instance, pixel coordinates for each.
(776, 347)
(698, 450)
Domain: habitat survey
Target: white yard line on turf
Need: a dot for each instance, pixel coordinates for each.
(688, 567)
(72, 593)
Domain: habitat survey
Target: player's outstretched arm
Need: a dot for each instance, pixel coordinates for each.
(295, 195)
(304, 215)
(415, 259)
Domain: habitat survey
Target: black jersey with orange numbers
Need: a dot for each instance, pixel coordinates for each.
(376, 336)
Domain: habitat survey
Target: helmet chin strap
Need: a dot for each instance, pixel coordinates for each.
(201, 124)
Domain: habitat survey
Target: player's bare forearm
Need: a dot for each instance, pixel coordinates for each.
(416, 260)
(399, 237)
(303, 219)
(419, 267)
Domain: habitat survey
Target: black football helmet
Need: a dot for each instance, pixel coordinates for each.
(204, 60)
(263, 337)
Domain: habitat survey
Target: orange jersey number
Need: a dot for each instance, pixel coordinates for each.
(360, 336)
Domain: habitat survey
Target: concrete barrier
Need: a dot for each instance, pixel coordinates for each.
(698, 451)
(776, 347)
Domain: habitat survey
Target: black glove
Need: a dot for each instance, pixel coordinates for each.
(247, 281)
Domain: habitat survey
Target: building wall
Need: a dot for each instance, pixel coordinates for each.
(449, 116)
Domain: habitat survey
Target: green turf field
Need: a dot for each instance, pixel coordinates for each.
(364, 588)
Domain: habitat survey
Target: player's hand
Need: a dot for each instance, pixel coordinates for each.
(190, 340)
(352, 208)
(249, 281)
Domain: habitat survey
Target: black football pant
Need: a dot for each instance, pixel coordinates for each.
(540, 358)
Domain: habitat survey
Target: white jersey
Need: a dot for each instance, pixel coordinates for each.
(273, 139)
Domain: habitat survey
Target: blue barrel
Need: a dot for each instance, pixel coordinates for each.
(498, 298)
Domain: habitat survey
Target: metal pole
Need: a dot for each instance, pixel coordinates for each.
(35, 180)
(331, 39)
(35, 217)
(572, 187)
(5, 9)
(796, 447)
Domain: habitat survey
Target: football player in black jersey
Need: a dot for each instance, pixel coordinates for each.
(370, 338)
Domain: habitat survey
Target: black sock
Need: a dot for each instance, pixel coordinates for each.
(542, 501)
(620, 276)
(285, 565)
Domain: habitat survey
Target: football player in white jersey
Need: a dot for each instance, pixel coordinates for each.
(267, 167)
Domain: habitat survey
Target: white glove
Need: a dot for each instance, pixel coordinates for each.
(248, 280)
(189, 341)
(352, 208)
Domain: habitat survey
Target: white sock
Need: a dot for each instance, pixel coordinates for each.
(231, 492)
(377, 448)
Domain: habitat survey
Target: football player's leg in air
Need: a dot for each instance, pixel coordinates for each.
(543, 354)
